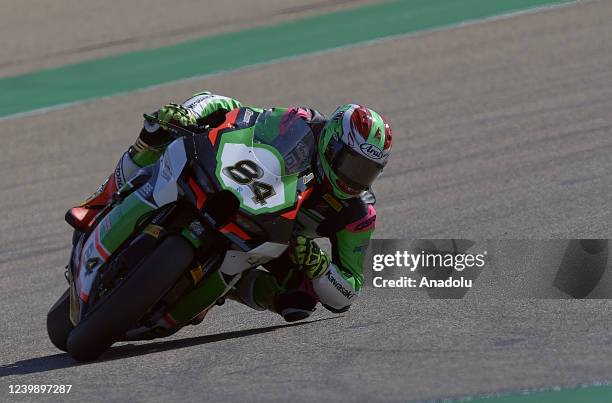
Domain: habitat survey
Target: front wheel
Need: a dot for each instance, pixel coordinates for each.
(131, 299)
(59, 325)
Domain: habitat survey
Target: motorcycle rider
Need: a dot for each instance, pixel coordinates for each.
(352, 149)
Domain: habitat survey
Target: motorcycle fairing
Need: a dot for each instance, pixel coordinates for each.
(120, 222)
(251, 170)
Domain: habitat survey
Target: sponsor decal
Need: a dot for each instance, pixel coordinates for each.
(347, 293)
(199, 99)
(247, 116)
(119, 175)
(331, 200)
(371, 151)
(146, 190)
(308, 178)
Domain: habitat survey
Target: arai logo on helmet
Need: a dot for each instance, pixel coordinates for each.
(371, 150)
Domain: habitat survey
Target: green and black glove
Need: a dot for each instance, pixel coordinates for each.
(176, 114)
(308, 256)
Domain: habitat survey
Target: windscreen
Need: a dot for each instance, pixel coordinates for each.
(288, 134)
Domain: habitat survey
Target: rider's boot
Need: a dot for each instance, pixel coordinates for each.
(137, 156)
(81, 216)
(260, 290)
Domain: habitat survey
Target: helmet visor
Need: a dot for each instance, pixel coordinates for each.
(356, 172)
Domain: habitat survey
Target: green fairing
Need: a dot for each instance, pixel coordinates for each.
(202, 297)
(351, 248)
(147, 157)
(117, 226)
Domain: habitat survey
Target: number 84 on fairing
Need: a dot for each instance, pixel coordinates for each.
(255, 175)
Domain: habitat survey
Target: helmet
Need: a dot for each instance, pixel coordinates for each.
(353, 149)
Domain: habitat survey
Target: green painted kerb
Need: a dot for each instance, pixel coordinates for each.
(136, 70)
(591, 394)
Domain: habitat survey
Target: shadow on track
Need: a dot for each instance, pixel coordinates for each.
(63, 360)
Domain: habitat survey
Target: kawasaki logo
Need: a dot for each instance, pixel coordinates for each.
(347, 293)
(371, 151)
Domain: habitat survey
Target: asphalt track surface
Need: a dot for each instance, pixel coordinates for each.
(74, 30)
(502, 130)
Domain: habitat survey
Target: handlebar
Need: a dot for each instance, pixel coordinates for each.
(176, 130)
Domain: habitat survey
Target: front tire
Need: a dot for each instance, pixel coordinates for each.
(131, 299)
(59, 325)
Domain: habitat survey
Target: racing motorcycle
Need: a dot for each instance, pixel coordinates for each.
(178, 236)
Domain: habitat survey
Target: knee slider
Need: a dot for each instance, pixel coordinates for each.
(295, 305)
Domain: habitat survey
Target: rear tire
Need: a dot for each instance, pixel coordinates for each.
(129, 301)
(59, 325)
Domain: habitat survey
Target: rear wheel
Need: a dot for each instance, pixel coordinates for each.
(130, 300)
(59, 325)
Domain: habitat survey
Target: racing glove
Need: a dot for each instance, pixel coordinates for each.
(176, 114)
(306, 254)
